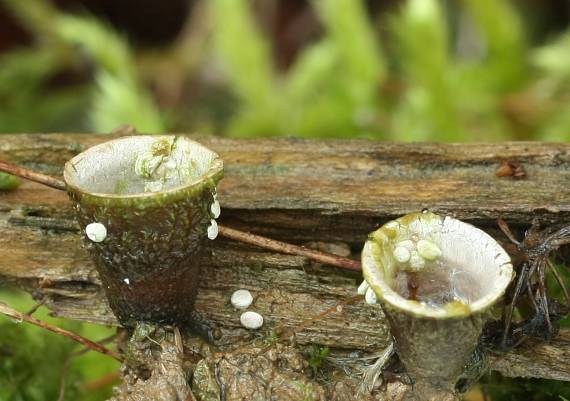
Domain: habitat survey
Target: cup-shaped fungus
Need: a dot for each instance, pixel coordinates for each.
(435, 278)
(145, 205)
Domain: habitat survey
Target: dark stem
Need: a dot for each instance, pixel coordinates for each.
(236, 235)
(22, 317)
(559, 278)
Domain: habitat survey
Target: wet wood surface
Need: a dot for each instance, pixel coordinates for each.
(328, 194)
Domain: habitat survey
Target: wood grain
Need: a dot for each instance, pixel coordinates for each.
(299, 191)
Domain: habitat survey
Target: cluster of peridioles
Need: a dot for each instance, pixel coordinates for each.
(215, 211)
(413, 248)
(242, 299)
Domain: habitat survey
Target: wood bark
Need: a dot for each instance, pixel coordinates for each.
(328, 194)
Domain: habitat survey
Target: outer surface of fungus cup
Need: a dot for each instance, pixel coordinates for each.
(435, 299)
(154, 195)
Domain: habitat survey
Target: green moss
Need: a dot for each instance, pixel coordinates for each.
(8, 182)
(316, 357)
(500, 388)
(147, 200)
(271, 338)
(32, 360)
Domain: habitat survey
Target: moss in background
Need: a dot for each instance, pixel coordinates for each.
(32, 360)
(500, 388)
(427, 70)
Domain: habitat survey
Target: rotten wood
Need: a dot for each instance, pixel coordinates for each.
(298, 191)
(237, 235)
(341, 190)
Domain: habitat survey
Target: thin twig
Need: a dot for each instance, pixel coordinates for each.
(37, 306)
(22, 317)
(178, 339)
(542, 291)
(85, 350)
(507, 230)
(559, 279)
(32, 175)
(63, 381)
(531, 296)
(509, 309)
(373, 372)
(283, 247)
(231, 233)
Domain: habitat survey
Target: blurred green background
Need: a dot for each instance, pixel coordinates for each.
(406, 70)
(411, 70)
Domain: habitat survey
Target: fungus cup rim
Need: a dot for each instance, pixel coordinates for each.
(208, 179)
(374, 274)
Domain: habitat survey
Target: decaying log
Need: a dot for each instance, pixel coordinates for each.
(300, 191)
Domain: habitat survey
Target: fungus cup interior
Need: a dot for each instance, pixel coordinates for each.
(469, 276)
(141, 166)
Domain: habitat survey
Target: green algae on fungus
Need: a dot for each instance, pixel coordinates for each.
(412, 240)
(436, 307)
(149, 171)
(431, 265)
(149, 261)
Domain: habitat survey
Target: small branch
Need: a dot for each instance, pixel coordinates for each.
(36, 307)
(14, 314)
(236, 235)
(32, 175)
(559, 278)
(289, 249)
